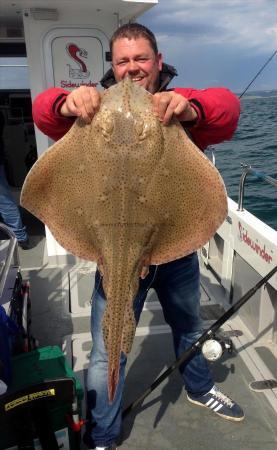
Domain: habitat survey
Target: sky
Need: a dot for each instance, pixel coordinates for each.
(217, 42)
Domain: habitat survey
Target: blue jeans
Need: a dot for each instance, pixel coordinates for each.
(9, 210)
(177, 285)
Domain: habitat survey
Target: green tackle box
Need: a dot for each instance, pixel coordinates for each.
(42, 374)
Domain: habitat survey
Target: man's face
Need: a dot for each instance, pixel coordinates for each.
(136, 58)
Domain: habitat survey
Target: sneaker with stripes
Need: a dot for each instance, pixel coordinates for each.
(219, 403)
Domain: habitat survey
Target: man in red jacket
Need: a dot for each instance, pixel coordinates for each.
(209, 116)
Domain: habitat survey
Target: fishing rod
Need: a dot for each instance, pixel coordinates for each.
(258, 73)
(205, 337)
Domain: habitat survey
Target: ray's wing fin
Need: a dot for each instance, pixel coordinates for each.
(57, 189)
(193, 200)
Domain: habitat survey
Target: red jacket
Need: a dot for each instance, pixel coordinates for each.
(218, 114)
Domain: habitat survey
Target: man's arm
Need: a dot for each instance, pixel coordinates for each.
(55, 109)
(46, 113)
(218, 111)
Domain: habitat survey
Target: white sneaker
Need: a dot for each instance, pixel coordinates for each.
(111, 447)
(3, 387)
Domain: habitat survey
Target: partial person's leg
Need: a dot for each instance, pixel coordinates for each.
(105, 419)
(9, 210)
(178, 287)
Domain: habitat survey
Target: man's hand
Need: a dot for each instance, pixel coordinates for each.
(169, 104)
(83, 102)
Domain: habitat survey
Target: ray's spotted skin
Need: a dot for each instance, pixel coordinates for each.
(125, 191)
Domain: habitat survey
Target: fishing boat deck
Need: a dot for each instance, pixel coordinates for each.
(60, 298)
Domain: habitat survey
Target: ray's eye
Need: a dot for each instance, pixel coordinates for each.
(142, 129)
(106, 126)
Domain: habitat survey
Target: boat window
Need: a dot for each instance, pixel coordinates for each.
(14, 73)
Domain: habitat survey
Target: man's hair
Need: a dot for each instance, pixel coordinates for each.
(134, 31)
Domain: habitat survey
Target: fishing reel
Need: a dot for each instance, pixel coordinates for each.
(213, 348)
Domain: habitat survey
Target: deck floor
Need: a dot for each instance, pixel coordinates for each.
(165, 420)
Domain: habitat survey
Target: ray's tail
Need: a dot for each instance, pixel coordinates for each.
(113, 378)
(119, 329)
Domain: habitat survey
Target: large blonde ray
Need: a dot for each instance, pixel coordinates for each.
(125, 191)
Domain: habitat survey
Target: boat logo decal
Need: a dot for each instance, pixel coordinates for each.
(253, 244)
(76, 54)
(78, 69)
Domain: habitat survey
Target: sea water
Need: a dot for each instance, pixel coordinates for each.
(255, 144)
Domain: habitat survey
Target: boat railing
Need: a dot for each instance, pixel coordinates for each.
(12, 257)
(247, 169)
